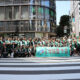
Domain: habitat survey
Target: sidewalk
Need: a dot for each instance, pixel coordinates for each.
(42, 60)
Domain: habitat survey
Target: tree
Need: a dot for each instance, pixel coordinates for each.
(59, 31)
(64, 21)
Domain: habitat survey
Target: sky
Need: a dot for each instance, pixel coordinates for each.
(62, 8)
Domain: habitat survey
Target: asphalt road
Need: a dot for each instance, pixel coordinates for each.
(40, 68)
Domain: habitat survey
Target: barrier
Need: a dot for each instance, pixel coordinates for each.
(53, 52)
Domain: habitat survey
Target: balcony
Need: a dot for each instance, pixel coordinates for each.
(20, 29)
(13, 2)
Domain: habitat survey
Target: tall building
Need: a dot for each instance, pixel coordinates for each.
(75, 16)
(32, 18)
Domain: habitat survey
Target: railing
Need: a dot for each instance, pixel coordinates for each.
(22, 29)
(22, 2)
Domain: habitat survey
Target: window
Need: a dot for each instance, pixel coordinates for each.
(40, 12)
(39, 25)
(24, 1)
(1, 24)
(31, 1)
(16, 13)
(42, 2)
(1, 2)
(24, 12)
(8, 11)
(2, 14)
(16, 1)
(32, 25)
(37, 1)
(46, 13)
(8, 1)
(47, 3)
(48, 26)
(52, 15)
(32, 14)
(52, 4)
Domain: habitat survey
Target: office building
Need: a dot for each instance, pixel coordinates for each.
(75, 16)
(31, 18)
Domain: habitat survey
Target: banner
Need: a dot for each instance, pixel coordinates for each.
(52, 52)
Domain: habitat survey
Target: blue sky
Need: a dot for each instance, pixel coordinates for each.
(62, 8)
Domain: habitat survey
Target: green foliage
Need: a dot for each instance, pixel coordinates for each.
(59, 31)
(64, 21)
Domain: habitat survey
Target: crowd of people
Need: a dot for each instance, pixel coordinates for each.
(22, 47)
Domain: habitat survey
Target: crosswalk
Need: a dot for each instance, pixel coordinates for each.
(40, 69)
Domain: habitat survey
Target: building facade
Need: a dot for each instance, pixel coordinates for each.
(75, 16)
(36, 18)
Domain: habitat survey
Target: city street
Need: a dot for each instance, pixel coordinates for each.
(40, 68)
(39, 40)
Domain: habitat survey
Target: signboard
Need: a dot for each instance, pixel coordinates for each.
(52, 52)
(73, 19)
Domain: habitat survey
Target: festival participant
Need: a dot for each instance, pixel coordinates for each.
(1, 48)
(33, 42)
(23, 51)
(26, 51)
(56, 43)
(16, 40)
(1, 40)
(29, 51)
(73, 48)
(46, 43)
(60, 44)
(28, 46)
(40, 42)
(69, 39)
(20, 42)
(24, 41)
(50, 44)
(8, 46)
(28, 41)
(4, 52)
(79, 46)
(16, 52)
(43, 42)
(76, 47)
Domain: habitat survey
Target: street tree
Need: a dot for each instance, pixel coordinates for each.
(64, 26)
